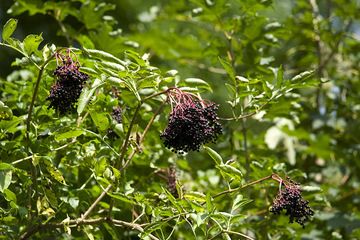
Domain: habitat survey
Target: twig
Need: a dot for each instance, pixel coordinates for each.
(245, 143)
(244, 186)
(78, 222)
(248, 114)
(95, 202)
(127, 137)
(143, 135)
(239, 234)
(33, 170)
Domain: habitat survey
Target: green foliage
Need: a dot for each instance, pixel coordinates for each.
(284, 73)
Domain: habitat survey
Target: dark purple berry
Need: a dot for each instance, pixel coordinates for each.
(117, 114)
(192, 123)
(290, 200)
(69, 84)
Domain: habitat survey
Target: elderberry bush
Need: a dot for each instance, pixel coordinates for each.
(192, 123)
(69, 84)
(296, 207)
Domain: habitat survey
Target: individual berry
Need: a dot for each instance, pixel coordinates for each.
(68, 86)
(192, 123)
(290, 199)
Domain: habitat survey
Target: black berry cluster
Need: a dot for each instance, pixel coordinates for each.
(69, 84)
(171, 182)
(117, 114)
(296, 207)
(192, 122)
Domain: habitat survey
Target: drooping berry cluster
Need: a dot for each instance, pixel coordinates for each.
(290, 199)
(117, 114)
(171, 181)
(192, 122)
(69, 84)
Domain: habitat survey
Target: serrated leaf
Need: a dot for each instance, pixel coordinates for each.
(9, 195)
(88, 71)
(228, 68)
(5, 179)
(198, 83)
(302, 76)
(113, 66)
(86, 95)
(9, 29)
(230, 170)
(136, 57)
(122, 197)
(214, 155)
(32, 42)
(5, 166)
(279, 77)
(209, 203)
(101, 55)
(5, 112)
(69, 134)
(311, 189)
(195, 196)
(100, 120)
(53, 171)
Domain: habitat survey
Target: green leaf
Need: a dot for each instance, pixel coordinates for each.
(86, 95)
(239, 201)
(228, 68)
(9, 195)
(311, 189)
(9, 29)
(5, 112)
(5, 180)
(230, 170)
(100, 119)
(113, 66)
(195, 196)
(214, 155)
(69, 134)
(136, 57)
(32, 42)
(302, 76)
(5, 166)
(198, 83)
(53, 171)
(101, 55)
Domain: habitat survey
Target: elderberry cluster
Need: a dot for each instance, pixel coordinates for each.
(191, 125)
(117, 114)
(296, 207)
(67, 89)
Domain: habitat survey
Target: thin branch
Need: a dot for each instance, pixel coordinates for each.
(245, 143)
(19, 51)
(132, 226)
(239, 234)
(96, 202)
(243, 186)
(143, 135)
(78, 222)
(248, 114)
(127, 137)
(33, 170)
(37, 84)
